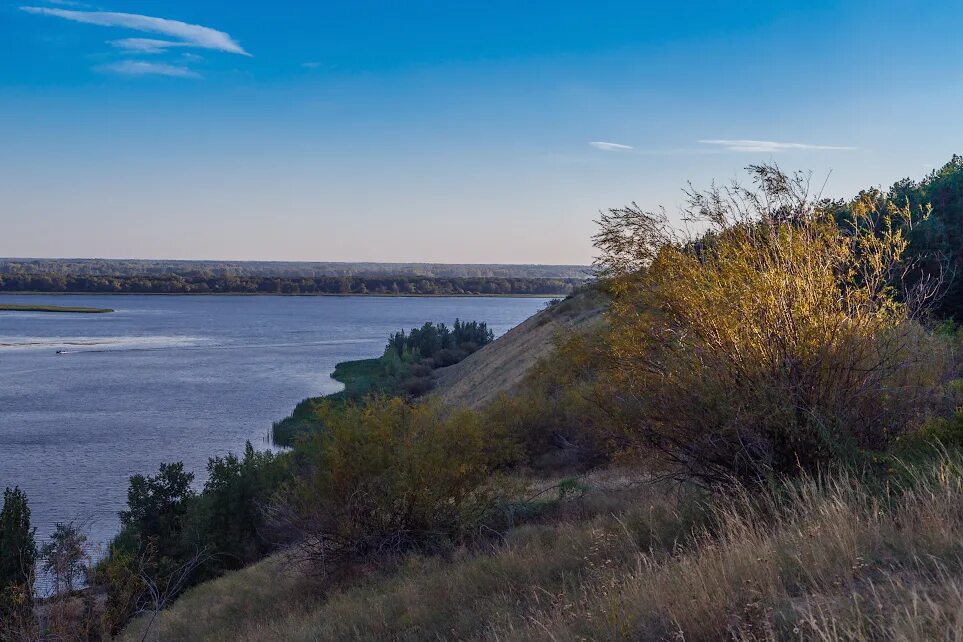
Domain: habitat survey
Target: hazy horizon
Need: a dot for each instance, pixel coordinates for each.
(486, 133)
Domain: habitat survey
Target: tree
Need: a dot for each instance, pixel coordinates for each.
(18, 548)
(65, 556)
(157, 510)
(18, 553)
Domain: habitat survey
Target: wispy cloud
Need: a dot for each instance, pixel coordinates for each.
(68, 3)
(147, 45)
(141, 68)
(769, 146)
(186, 35)
(610, 147)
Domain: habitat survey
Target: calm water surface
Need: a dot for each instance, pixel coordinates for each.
(176, 378)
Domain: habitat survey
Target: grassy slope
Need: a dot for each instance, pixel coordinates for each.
(15, 307)
(830, 561)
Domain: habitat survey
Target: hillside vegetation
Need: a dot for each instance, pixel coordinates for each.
(750, 433)
(747, 434)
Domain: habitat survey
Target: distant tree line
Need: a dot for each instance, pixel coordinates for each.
(184, 284)
(286, 269)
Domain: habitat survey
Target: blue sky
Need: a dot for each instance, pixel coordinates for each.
(453, 132)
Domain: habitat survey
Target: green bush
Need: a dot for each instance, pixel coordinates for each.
(385, 477)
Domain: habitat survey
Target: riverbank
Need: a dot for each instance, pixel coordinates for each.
(14, 307)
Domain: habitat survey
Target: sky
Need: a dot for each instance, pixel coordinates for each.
(457, 132)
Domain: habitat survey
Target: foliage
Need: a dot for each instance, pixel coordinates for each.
(936, 238)
(404, 369)
(286, 269)
(173, 537)
(778, 341)
(65, 557)
(554, 413)
(157, 508)
(227, 518)
(333, 285)
(18, 553)
(384, 477)
(442, 345)
(836, 557)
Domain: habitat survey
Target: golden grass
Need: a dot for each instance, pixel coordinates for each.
(830, 560)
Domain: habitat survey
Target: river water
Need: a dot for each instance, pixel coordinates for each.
(176, 378)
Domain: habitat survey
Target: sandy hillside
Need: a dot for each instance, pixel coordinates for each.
(498, 367)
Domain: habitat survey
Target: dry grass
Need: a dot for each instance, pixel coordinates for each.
(831, 560)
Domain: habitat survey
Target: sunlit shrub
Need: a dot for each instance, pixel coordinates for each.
(384, 477)
(780, 340)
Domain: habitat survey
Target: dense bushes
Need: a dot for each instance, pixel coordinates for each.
(173, 537)
(779, 341)
(385, 477)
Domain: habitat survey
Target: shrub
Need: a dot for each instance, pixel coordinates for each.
(384, 477)
(553, 413)
(417, 386)
(779, 341)
(65, 557)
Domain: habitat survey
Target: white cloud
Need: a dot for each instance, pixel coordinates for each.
(610, 147)
(67, 3)
(146, 45)
(769, 146)
(141, 68)
(187, 35)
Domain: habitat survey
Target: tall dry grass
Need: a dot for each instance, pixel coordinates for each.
(822, 559)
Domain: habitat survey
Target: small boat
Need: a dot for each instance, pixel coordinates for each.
(63, 352)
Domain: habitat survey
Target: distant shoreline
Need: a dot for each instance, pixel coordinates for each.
(14, 307)
(399, 295)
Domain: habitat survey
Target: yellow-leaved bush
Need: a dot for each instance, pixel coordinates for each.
(385, 477)
(781, 339)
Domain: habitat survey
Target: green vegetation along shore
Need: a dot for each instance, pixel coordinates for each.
(406, 368)
(16, 307)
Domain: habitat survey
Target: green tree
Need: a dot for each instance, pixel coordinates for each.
(228, 514)
(18, 551)
(157, 508)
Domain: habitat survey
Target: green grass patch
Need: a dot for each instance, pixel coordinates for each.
(360, 378)
(16, 307)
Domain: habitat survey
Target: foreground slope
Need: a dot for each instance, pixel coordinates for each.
(816, 561)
